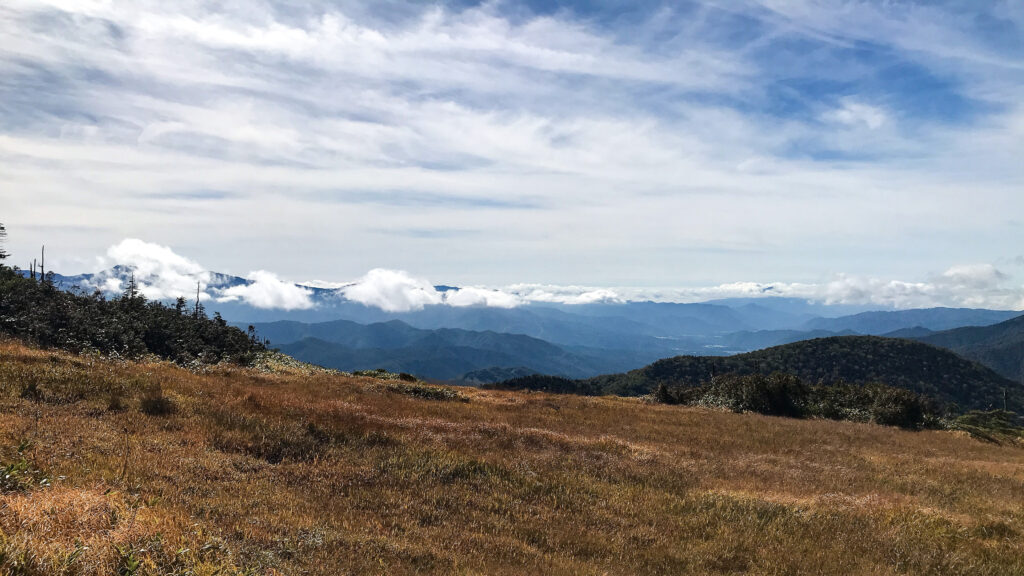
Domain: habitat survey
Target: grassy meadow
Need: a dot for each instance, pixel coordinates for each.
(129, 468)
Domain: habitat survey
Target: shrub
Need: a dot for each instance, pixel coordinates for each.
(897, 407)
(116, 401)
(31, 392)
(377, 373)
(154, 403)
(778, 394)
(786, 395)
(996, 426)
(426, 392)
(841, 402)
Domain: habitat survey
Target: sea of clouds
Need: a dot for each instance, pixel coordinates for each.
(162, 274)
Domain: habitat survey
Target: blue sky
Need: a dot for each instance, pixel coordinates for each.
(848, 147)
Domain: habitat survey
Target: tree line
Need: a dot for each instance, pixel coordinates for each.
(127, 325)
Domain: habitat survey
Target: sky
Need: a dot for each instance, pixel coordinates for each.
(861, 151)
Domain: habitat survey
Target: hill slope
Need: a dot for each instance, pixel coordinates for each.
(925, 369)
(320, 474)
(1000, 347)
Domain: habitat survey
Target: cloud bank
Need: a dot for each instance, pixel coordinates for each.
(392, 291)
(163, 274)
(268, 291)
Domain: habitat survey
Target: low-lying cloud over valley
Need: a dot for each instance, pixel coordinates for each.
(162, 274)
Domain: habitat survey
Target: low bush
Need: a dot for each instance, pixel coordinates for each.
(996, 426)
(898, 407)
(155, 403)
(778, 394)
(426, 392)
(377, 373)
(786, 395)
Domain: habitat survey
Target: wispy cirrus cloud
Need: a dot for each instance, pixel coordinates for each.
(640, 146)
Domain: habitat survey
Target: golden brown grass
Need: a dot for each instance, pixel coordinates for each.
(305, 472)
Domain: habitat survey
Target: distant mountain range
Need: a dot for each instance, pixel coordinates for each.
(925, 369)
(475, 343)
(443, 353)
(880, 323)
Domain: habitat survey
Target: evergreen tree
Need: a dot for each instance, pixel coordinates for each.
(662, 395)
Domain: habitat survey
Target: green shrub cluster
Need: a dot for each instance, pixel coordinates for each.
(996, 426)
(425, 392)
(780, 394)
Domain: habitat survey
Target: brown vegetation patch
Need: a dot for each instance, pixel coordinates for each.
(322, 473)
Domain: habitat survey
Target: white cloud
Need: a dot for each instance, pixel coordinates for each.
(392, 291)
(325, 284)
(163, 274)
(978, 277)
(108, 285)
(564, 294)
(970, 286)
(267, 291)
(473, 296)
(160, 273)
(856, 114)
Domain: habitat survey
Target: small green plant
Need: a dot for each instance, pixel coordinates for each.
(128, 563)
(20, 475)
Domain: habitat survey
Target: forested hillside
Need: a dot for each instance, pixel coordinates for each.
(921, 368)
(1000, 347)
(128, 326)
